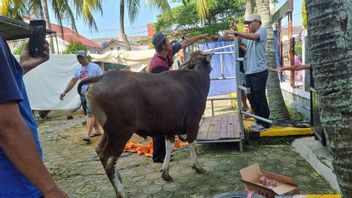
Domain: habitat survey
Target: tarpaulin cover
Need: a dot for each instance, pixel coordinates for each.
(47, 81)
(227, 86)
(135, 60)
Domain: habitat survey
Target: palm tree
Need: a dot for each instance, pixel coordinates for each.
(250, 7)
(278, 109)
(133, 9)
(123, 35)
(329, 34)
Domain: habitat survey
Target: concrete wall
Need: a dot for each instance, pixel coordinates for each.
(297, 99)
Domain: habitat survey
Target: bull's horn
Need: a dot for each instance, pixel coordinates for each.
(206, 53)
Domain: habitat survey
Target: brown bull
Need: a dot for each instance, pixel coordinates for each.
(149, 104)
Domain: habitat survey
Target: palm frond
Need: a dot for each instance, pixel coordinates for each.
(133, 8)
(15, 9)
(202, 9)
(85, 9)
(35, 9)
(5, 7)
(162, 4)
(63, 13)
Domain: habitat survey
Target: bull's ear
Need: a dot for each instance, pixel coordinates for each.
(207, 55)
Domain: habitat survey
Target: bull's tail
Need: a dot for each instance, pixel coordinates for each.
(87, 80)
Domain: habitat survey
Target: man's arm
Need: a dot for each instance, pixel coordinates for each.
(243, 48)
(245, 35)
(190, 41)
(28, 63)
(250, 36)
(293, 67)
(69, 86)
(18, 144)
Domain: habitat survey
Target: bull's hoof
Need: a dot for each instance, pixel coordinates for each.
(183, 137)
(166, 176)
(121, 195)
(199, 169)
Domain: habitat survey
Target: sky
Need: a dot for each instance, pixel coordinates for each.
(108, 23)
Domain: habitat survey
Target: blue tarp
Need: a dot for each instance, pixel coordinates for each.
(277, 53)
(221, 87)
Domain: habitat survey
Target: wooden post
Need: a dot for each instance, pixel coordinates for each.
(279, 42)
(291, 59)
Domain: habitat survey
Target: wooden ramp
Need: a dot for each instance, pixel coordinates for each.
(221, 128)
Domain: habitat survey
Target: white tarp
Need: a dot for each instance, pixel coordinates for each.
(46, 82)
(135, 60)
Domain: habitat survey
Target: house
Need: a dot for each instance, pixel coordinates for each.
(115, 44)
(71, 36)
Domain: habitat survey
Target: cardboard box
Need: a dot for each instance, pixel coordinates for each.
(250, 177)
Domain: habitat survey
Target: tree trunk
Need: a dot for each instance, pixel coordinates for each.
(250, 5)
(329, 34)
(278, 110)
(48, 25)
(123, 36)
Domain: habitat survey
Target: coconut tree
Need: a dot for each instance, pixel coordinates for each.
(123, 35)
(278, 109)
(133, 9)
(250, 7)
(329, 34)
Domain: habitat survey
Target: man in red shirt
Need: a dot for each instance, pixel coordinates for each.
(162, 61)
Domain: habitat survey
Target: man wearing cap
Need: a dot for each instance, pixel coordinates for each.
(86, 69)
(256, 72)
(162, 61)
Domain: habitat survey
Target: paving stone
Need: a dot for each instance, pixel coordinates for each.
(72, 163)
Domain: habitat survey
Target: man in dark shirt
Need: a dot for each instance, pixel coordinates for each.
(162, 61)
(22, 172)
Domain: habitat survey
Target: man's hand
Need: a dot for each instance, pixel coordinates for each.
(275, 70)
(29, 62)
(55, 193)
(231, 32)
(204, 36)
(213, 37)
(62, 95)
(233, 26)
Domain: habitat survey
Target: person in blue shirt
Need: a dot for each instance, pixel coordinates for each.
(255, 67)
(22, 171)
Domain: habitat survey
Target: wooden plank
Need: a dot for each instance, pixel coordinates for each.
(214, 129)
(223, 127)
(282, 11)
(204, 129)
(230, 127)
(237, 127)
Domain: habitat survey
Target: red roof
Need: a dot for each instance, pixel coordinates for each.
(70, 36)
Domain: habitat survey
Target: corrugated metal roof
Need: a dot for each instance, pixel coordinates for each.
(13, 29)
(70, 35)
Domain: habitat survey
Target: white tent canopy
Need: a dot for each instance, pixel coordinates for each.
(135, 60)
